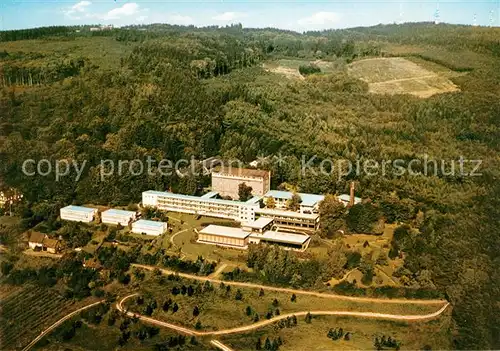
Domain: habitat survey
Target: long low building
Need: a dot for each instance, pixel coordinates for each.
(304, 222)
(78, 213)
(292, 241)
(144, 226)
(224, 236)
(122, 217)
(236, 210)
(240, 238)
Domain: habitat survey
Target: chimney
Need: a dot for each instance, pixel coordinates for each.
(351, 195)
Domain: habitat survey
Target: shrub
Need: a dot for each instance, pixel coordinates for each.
(306, 70)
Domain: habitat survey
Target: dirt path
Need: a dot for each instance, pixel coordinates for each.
(58, 323)
(295, 291)
(220, 345)
(397, 317)
(406, 79)
(179, 232)
(218, 271)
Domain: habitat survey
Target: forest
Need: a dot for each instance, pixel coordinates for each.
(173, 92)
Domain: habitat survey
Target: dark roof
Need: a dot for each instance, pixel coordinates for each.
(50, 243)
(245, 172)
(36, 237)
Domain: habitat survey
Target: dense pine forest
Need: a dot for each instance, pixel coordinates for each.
(172, 92)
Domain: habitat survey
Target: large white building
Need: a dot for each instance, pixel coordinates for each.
(224, 236)
(122, 217)
(226, 181)
(236, 210)
(143, 226)
(78, 213)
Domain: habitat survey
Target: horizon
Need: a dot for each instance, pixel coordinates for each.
(298, 16)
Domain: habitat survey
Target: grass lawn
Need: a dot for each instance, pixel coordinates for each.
(219, 308)
(313, 336)
(184, 237)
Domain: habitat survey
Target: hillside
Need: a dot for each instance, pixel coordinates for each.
(172, 92)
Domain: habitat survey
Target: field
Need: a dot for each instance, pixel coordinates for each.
(313, 336)
(398, 75)
(290, 67)
(221, 308)
(27, 311)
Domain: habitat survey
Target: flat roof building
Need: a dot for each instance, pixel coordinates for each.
(309, 202)
(260, 225)
(345, 199)
(240, 238)
(291, 241)
(303, 222)
(225, 236)
(122, 217)
(78, 213)
(236, 210)
(226, 181)
(210, 195)
(144, 226)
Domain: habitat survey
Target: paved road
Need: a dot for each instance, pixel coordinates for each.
(295, 291)
(58, 323)
(184, 330)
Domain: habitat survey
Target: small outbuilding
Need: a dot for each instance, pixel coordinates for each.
(78, 213)
(144, 226)
(122, 217)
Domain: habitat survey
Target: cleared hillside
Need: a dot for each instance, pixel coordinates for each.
(397, 75)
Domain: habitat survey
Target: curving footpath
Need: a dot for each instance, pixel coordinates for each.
(294, 291)
(184, 330)
(58, 323)
(220, 345)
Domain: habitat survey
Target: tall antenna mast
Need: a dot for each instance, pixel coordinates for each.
(474, 21)
(436, 14)
(492, 18)
(400, 13)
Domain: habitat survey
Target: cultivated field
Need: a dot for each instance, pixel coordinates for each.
(397, 75)
(28, 311)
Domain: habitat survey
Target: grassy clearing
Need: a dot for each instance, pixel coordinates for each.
(290, 67)
(313, 336)
(397, 75)
(220, 309)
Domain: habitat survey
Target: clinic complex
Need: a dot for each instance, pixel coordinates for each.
(265, 217)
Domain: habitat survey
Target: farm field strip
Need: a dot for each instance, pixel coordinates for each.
(26, 312)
